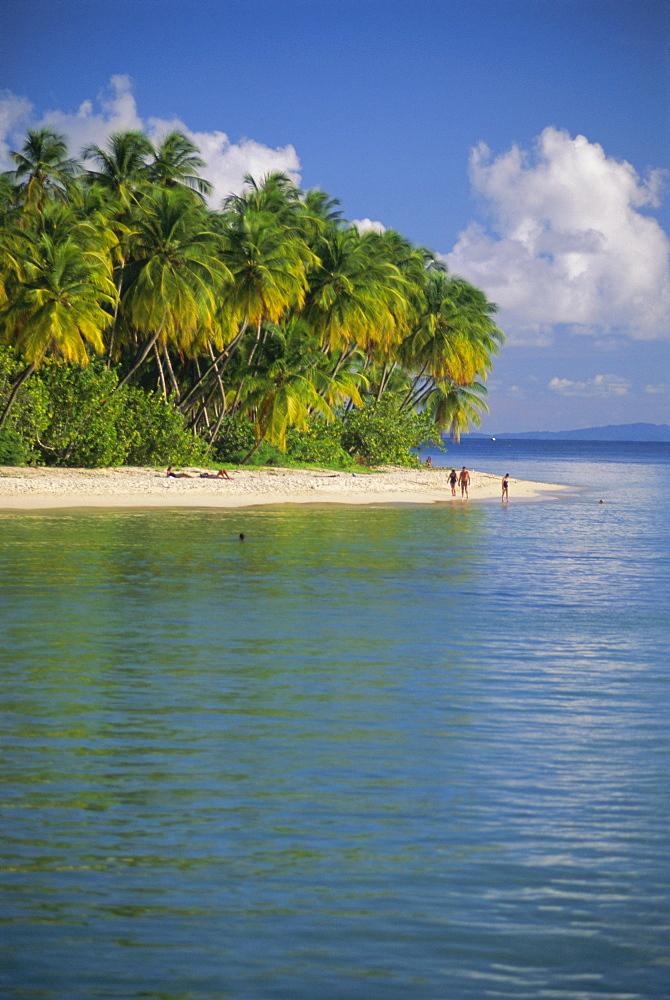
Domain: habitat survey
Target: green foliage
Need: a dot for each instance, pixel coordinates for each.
(273, 311)
(30, 414)
(321, 444)
(156, 434)
(72, 416)
(12, 448)
(379, 435)
(84, 416)
(237, 438)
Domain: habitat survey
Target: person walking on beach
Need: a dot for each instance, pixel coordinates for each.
(464, 480)
(453, 479)
(505, 488)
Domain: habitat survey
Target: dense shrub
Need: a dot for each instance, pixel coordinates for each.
(66, 415)
(379, 435)
(235, 439)
(12, 448)
(320, 445)
(72, 416)
(155, 432)
(83, 426)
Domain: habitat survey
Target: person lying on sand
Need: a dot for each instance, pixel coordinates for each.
(221, 474)
(177, 475)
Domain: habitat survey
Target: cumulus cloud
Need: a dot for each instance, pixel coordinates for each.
(15, 112)
(367, 226)
(115, 110)
(567, 242)
(599, 385)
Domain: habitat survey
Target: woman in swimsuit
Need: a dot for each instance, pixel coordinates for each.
(453, 479)
(505, 488)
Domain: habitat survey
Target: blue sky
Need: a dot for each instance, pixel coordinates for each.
(526, 141)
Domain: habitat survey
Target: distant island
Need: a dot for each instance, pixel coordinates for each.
(612, 432)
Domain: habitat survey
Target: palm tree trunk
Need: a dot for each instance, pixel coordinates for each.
(18, 382)
(161, 373)
(344, 356)
(139, 360)
(115, 317)
(222, 389)
(387, 371)
(214, 433)
(256, 343)
(411, 389)
(253, 451)
(225, 356)
(173, 380)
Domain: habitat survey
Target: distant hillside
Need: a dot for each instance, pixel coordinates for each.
(613, 432)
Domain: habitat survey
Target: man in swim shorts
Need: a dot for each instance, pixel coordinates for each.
(464, 480)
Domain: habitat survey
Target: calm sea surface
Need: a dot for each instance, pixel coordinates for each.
(382, 753)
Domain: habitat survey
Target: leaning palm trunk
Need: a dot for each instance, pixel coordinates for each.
(221, 359)
(170, 370)
(217, 426)
(343, 358)
(161, 373)
(139, 360)
(384, 380)
(18, 382)
(117, 303)
(219, 381)
(409, 399)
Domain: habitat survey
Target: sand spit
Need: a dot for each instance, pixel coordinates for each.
(40, 488)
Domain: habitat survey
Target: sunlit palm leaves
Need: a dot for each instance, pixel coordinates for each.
(43, 168)
(173, 282)
(177, 164)
(357, 297)
(274, 306)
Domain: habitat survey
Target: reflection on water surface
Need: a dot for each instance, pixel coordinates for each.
(381, 752)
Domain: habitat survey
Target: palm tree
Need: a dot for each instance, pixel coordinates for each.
(293, 387)
(58, 305)
(176, 163)
(173, 282)
(268, 265)
(358, 297)
(454, 339)
(276, 195)
(456, 408)
(122, 166)
(43, 169)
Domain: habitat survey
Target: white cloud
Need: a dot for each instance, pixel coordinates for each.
(658, 389)
(367, 226)
(227, 162)
(14, 114)
(568, 244)
(599, 385)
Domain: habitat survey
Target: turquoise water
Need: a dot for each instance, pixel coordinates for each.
(382, 752)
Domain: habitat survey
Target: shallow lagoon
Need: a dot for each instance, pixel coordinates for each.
(368, 753)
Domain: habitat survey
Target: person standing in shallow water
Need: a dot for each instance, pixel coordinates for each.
(464, 480)
(453, 479)
(505, 488)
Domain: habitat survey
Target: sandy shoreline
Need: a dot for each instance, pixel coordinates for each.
(35, 489)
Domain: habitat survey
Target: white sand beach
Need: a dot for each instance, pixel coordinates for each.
(42, 488)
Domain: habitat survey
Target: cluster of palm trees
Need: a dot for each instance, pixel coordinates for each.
(272, 307)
